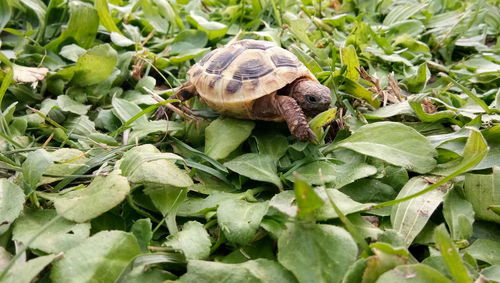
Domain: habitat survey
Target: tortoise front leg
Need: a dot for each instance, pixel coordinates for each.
(295, 118)
(185, 92)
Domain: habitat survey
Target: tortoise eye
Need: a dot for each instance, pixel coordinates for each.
(311, 99)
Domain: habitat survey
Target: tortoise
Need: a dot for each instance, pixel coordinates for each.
(256, 79)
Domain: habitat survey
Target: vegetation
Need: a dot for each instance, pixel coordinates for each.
(403, 184)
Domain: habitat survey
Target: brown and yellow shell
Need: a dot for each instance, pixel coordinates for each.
(231, 78)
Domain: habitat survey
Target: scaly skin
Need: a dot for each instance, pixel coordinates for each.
(295, 118)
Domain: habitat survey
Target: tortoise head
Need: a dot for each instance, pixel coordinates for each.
(311, 96)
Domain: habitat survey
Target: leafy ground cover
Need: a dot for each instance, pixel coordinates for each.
(404, 184)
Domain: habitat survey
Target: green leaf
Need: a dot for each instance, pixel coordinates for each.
(355, 89)
(418, 108)
(196, 206)
(307, 200)
(409, 217)
(307, 60)
(272, 144)
(104, 17)
(34, 166)
(145, 164)
(60, 236)
(167, 200)
(4, 13)
(450, 255)
(188, 40)
(475, 150)
(402, 108)
(26, 272)
(322, 119)
(312, 251)
(93, 67)
(417, 82)
(108, 251)
(385, 258)
(213, 29)
(414, 273)
(82, 27)
(394, 143)
(83, 204)
(350, 59)
(482, 191)
(485, 250)
(193, 240)
(68, 104)
(142, 230)
(285, 202)
(260, 270)
(224, 135)
(240, 219)
(126, 110)
(339, 175)
(459, 215)
(11, 203)
(256, 166)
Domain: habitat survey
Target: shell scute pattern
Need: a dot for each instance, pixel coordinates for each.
(229, 79)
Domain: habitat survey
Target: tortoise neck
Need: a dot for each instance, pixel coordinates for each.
(289, 88)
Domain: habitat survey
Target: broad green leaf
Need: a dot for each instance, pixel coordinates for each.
(142, 230)
(5, 13)
(384, 259)
(213, 29)
(143, 268)
(68, 104)
(355, 89)
(394, 143)
(403, 12)
(11, 203)
(167, 200)
(402, 108)
(93, 67)
(322, 119)
(224, 135)
(459, 215)
(409, 217)
(253, 271)
(141, 130)
(418, 108)
(482, 191)
(350, 59)
(100, 258)
(104, 17)
(188, 40)
(72, 52)
(34, 166)
(272, 144)
(125, 110)
(413, 273)
(450, 255)
(193, 240)
(239, 219)
(121, 40)
(308, 202)
(339, 175)
(417, 82)
(492, 273)
(256, 166)
(60, 236)
(82, 27)
(101, 195)
(312, 251)
(285, 202)
(25, 272)
(307, 60)
(144, 164)
(196, 206)
(485, 250)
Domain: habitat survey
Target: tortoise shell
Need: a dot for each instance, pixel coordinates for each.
(231, 78)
